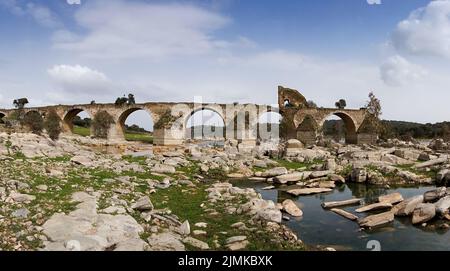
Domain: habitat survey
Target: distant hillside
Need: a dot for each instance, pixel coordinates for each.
(401, 129)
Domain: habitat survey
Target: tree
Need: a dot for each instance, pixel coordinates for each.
(20, 103)
(101, 124)
(373, 109)
(53, 125)
(34, 121)
(131, 99)
(311, 104)
(341, 104)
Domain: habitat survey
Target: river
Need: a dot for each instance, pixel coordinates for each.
(325, 228)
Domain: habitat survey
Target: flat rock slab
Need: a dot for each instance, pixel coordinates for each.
(391, 198)
(277, 171)
(374, 206)
(291, 208)
(345, 214)
(308, 191)
(424, 212)
(376, 220)
(291, 177)
(432, 162)
(333, 204)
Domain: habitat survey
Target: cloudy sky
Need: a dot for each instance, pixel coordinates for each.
(75, 51)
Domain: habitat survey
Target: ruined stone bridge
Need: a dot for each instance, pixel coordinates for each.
(300, 120)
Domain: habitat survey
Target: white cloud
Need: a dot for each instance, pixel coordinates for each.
(78, 80)
(41, 14)
(143, 30)
(74, 2)
(397, 71)
(374, 2)
(426, 31)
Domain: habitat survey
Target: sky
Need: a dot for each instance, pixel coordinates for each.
(76, 51)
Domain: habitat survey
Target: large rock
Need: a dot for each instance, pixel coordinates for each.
(321, 173)
(82, 160)
(358, 175)
(291, 208)
(442, 206)
(434, 195)
(196, 243)
(376, 220)
(165, 169)
(308, 191)
(336, 178)
(406, 207)
(143, 204)
(424, 212)
(294, 143)
(165, 242)
(292, 177)
(269, 214)
(89, 230)
(18, 197)
(374, 206)
(391, 198)
(432, 162)
(277, 171)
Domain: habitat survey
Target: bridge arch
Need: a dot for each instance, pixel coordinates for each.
(208, 116)
(2, 115)
(121, 127)
(350, 125)
(69, 117)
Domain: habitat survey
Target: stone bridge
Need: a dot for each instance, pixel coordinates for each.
(241, 120)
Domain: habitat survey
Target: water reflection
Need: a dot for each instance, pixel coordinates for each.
(325, 228)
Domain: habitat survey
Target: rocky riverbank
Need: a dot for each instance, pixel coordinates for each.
(85, 194)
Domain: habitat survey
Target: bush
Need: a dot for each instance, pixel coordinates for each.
(34, 121)
(53, 125)
(101, 124)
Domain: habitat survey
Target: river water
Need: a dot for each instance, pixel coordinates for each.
(325, 228)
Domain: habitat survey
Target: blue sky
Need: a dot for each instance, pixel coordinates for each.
(75, 51)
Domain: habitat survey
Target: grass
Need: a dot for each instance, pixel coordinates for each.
(141, 137)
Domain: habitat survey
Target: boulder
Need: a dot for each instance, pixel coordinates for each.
(291, 208)
(376, 220)
(432, 162)
(165, 169)
(277, 171)
(291, 177)
(407, 206)
(391, 198)
(294, 143)
(434, 195)
(345, 214)
(82, 160)
(308, 191)
(269, 214)
(442, 206)
(143, 204)
(196, 243)
(336, 178)
(165, 242)
(319, 174)
(424, 212)
(358, 175)
(374, 206)
(185, 228)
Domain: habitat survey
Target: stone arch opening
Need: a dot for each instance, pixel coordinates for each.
(136, 124)
(269, 126)
(77, 121)
(2, 115)
(205, 124)
(339, 127)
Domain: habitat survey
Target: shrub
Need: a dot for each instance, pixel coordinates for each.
(34, 121)
(101, 124)
(53, 125)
